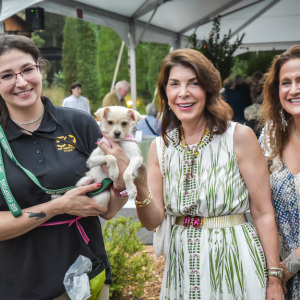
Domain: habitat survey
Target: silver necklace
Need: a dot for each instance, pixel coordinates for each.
(30, 122)
(296, 133)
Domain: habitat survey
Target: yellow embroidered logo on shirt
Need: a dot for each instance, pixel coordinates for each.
(62, 143)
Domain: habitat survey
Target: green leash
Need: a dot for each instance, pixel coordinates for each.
(9, 198)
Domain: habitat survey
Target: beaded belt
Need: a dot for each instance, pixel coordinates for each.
(212, 222)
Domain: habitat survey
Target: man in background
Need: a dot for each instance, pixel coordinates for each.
(116, 97)
(76, 100)
(149, 126)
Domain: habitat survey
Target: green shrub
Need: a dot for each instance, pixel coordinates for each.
(55, 94)
(260, 61)
(131, 268)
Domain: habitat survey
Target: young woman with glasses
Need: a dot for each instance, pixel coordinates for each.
(44, 149)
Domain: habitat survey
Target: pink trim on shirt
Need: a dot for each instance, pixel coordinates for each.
(70, 222)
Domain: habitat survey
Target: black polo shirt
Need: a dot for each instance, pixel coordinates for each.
(33, 265)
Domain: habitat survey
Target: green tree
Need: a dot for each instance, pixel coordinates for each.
(69, 47)
(239, 67)
(149, 57)
(87, 61)
(142, 71)
(155, 54)
(260, 61)
(218, 50)
(38, 40)
(110, 44)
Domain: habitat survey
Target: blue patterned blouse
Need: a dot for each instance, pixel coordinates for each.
(286, 201)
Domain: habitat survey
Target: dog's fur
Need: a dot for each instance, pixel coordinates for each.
(118, 122)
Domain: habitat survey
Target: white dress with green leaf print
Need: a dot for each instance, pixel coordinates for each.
(206, 263)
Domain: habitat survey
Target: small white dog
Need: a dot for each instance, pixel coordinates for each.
(118, 122)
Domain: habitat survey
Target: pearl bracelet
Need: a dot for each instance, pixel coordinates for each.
(292, 262)
(144, 202)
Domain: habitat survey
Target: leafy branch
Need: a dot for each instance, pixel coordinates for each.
(219, 51)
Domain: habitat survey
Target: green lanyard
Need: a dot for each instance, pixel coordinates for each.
(9, 198)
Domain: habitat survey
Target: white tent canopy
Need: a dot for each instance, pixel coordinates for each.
(267, 24)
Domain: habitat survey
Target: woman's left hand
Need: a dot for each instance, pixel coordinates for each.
(287, 275)
(274, 289)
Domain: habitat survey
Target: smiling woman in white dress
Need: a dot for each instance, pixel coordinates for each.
(207, 171)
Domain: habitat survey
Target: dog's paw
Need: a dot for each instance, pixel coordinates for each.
(95, 161)
(113, 173)
(132, 193)
(113, 169)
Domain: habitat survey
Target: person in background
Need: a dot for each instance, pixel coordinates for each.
(206, 172)
(243, 88)
(235, 100)
(280, 141)
(149, 125)
(76, 100)
(253, 116)
(116, 97)
(255, 86)
(46, 235)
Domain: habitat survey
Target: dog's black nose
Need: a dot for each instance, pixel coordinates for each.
(117, 133)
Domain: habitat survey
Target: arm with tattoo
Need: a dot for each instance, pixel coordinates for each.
(38, 216)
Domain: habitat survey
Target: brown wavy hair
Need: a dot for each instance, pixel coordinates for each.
(272, 105)
(217, 111)
(19, 42)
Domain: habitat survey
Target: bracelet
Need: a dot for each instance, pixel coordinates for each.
(275, 269)
(276, 272)
(122, 194)
(144, 202)
(292, 262)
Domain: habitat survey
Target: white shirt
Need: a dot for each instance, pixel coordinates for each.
(79, 103)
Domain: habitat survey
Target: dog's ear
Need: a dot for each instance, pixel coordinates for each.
(134, 115)
(102, 113)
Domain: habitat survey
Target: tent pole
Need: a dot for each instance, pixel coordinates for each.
(132, 62)
(117, 66)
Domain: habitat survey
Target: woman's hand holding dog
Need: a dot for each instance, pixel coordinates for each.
(76, 202)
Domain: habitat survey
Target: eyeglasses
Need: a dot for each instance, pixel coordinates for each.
(27, 73)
